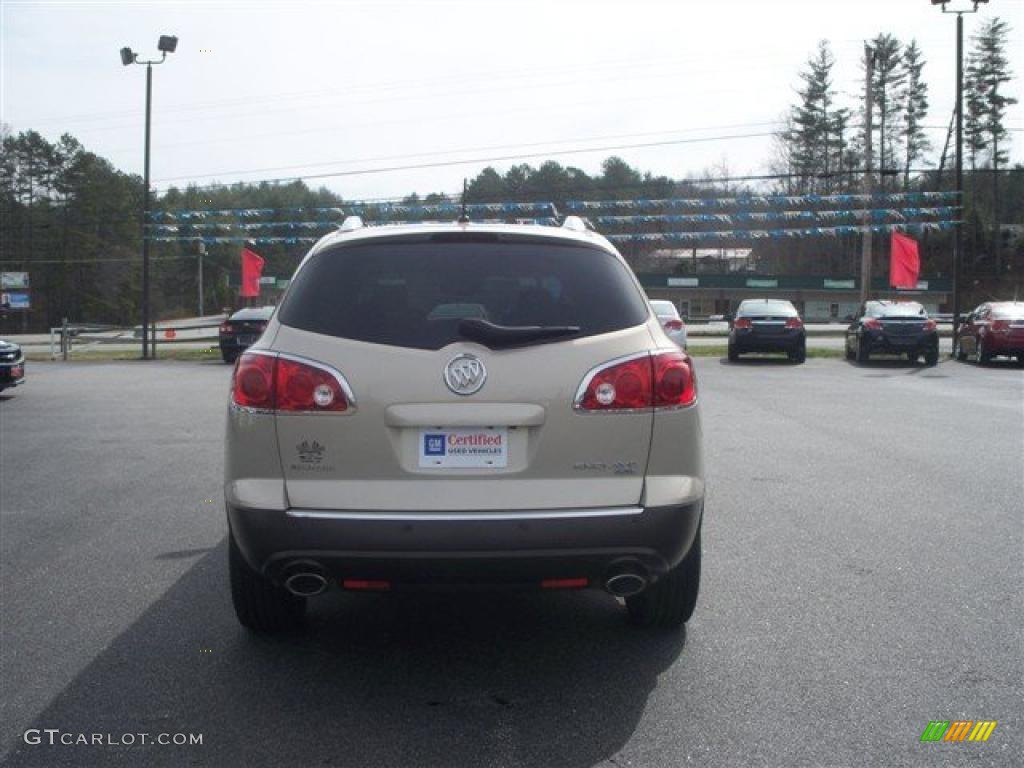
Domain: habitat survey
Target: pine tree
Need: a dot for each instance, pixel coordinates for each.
(815, 141)
(987, 71)
(914, 97)
(888, 79)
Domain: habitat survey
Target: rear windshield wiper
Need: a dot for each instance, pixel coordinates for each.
(491, 335)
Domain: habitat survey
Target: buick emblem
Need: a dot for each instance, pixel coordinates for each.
(465, 375)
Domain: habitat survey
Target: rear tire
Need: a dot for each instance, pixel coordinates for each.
(931, 357)
(959, 353)
(863, 355)
(261, 605)
(912, 357)
(798, 356)
(850, 354)
(733, 354)
(981, 357)
(228, 357)
(669, 603)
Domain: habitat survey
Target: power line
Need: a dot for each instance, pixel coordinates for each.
(475, 149)
(495, 159)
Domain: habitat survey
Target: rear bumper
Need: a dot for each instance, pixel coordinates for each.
(1004, 344)
(881, 342)
(12, 374)
(411, 550)
(753, 341)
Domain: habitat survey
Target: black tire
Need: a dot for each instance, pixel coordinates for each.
(850, 354)
(863, 355)
(912, 357)
(931, 356)
(981, 357)
(958, 351)
(798, 355)
(261, 605)
(1020, 359)
(228, 357)
(733, 354)
(669, 603)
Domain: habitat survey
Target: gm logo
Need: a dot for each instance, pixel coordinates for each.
(433, 445)
(958, 730)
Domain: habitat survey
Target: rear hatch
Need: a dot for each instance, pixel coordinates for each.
(459, 405)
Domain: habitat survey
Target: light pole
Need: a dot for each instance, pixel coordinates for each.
(958, 231)
(166, 44)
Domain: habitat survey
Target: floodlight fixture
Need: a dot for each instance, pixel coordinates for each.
(167, 44)
(127, 57)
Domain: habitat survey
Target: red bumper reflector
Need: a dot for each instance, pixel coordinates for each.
(563, 583)
(364, 584)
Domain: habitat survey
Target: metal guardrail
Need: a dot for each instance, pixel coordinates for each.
(64, 337)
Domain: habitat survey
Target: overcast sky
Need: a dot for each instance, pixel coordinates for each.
(264, 90)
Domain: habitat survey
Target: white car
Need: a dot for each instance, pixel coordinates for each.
(670, 320)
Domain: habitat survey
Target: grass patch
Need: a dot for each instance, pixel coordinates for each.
(100, 355)
(723, 351)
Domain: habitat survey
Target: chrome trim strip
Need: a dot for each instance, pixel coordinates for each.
(246, 409)
(538, 514)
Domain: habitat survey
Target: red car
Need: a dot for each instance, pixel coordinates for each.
(993, 329)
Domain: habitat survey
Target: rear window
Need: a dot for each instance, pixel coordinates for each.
(903, 309)
(253, 313)
(1008, 312)
(757, 308)
(664, 309)
(414, 293)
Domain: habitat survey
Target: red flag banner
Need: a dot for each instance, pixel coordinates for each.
(904, 262)
(252, 270)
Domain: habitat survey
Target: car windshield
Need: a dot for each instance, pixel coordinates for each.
(426, 293)
(759, 308)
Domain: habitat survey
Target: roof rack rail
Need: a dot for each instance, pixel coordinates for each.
(351, 223)
(574, 223)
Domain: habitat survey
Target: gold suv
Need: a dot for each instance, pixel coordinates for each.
(453, 405)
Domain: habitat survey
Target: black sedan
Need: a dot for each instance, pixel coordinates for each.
(768, 325)
(241, 330)
(895, 328)
(12, 365)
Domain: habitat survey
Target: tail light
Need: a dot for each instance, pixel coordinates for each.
(660, 380)
(930, 325)
(1000, 326)
(794, 322)
(673, 325)
(873, 324)
(742, 322)
(273, 383)
(226, 327)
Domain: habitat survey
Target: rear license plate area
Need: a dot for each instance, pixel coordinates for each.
(463, 447)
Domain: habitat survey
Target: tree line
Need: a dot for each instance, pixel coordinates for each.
(73, 220)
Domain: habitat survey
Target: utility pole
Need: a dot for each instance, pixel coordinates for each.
(201, 249)
(865, 252)
(958, 232)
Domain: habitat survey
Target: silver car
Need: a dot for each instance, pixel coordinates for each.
(670, 320)
(463, 405)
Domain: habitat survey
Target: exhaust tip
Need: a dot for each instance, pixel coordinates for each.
(625, 584)
(305, 580)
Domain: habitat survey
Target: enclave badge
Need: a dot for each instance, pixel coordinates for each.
(465, 374)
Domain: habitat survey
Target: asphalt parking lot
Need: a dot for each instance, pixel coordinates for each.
(863, 576)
